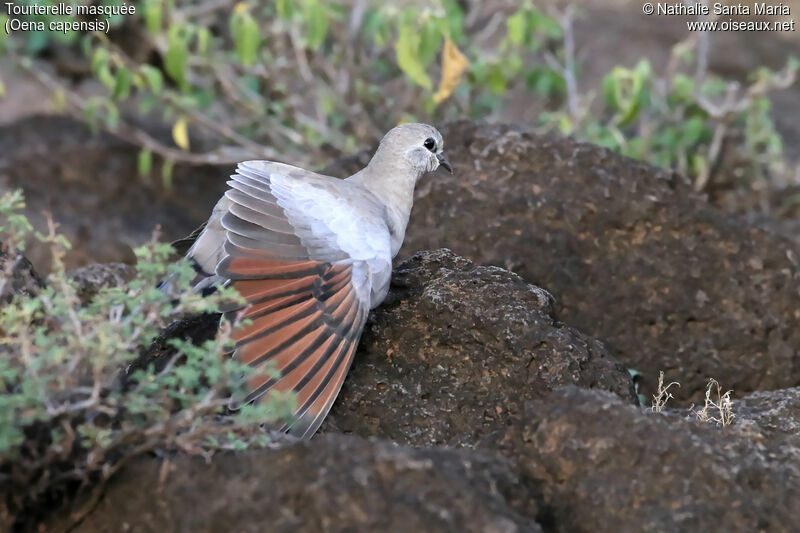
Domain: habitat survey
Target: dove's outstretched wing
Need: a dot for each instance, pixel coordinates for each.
(307, 253)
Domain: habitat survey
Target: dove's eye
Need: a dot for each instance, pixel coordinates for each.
(430, 144)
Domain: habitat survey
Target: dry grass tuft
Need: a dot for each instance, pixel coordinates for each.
(723, 406)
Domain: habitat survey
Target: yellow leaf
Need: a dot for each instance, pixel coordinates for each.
(2, 89)
(240, 7)
(180, 134)
(453, 66)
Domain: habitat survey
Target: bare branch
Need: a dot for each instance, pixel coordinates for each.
(76, 107)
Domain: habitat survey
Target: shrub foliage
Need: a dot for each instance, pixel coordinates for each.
(67, 416)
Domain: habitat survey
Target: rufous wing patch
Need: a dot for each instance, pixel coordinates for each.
(305, 322)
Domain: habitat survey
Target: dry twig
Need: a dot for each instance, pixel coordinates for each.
(662, 395)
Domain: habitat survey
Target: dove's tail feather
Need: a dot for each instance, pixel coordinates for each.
(305, 322)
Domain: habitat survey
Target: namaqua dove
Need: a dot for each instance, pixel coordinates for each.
(311, 255)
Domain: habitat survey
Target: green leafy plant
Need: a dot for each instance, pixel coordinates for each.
(69, 412)
(683, 118)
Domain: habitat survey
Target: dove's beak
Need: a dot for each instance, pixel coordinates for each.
(443, 162)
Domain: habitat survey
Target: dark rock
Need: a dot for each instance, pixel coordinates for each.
(467, 355)
(22, 278)
(91, 186)
(603, 465)
(328, 484)
(774, 414)
(17, 275)
(457, 349)
(91, 278)
(197, 329)
(633, 257)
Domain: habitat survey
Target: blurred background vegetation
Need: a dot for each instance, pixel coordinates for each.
(306, 80)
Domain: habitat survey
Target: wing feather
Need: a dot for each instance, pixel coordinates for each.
(264, 221)
(262, 206)
(307, 336)
(286, 240)
(268, 204)
(316, 408)
(305, 303)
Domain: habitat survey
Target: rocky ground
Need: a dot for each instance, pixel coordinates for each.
(576, 460)
(471, 407)
(333, 483)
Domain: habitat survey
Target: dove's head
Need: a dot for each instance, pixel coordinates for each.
(416, 146)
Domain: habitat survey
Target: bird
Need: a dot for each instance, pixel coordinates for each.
(311, 255)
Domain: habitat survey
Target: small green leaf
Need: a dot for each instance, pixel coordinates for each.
(698, 164)
(3, 34)
(285, 8)
(153, 16)
(374, 26)
(106, 77)
(693, 131)
(146, 104)
(316, 23)
(546, 81)
(246, 36)
(155, 80)
(36, 41)
(565, 125)
(454, 20)
(541, 22)
(407, 49)
(176, 59)
(515, 25)
(166, 173)
(682, 89)
(145, 162)
(610, 90)
(430, 42)
(495, 79)
(99, 58)
(112, 116)
(203, 40)
(625, 91)
(122, 87)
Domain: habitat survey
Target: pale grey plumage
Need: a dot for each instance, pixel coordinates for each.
(333, 239)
